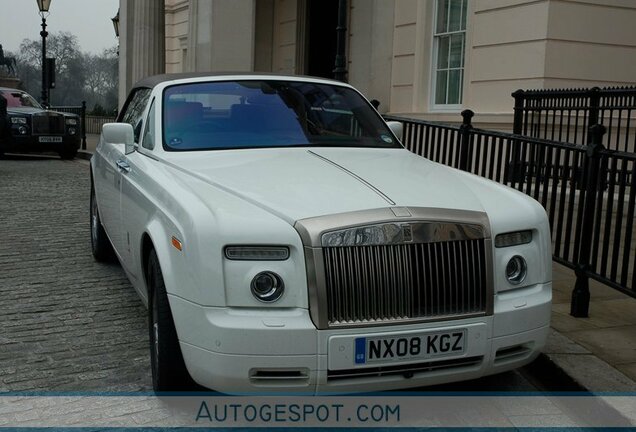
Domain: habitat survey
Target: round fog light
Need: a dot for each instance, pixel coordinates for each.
(516, 270)
(267, 286)
(71, 131)
(23, 130)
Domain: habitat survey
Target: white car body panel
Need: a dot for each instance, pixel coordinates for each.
(210, 199)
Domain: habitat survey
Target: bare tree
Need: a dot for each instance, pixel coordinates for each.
(101, 77)
(79, 76)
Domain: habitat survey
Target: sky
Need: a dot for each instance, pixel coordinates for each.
(89, 20)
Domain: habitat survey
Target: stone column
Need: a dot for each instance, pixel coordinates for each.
(149, 39)
(233, 35)
(125, 48)
(200, 36)
(221, 35)
(193, 25)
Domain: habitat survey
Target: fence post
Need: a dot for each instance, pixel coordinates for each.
(83, 125)
(515, 167)
(595, 102)
(517, 124)
(579, 306)
(464, 144)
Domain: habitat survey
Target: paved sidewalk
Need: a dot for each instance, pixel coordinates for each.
(91, 144)
(598, 352)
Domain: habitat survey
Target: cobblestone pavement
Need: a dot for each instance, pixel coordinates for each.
(66, 322)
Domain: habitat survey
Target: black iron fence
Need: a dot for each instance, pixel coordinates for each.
(566, 115)
(588, 191)
(81, 112)
(94, 124)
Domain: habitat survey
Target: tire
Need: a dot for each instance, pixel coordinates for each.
(68, 154)
(100, 244)
(169, 372)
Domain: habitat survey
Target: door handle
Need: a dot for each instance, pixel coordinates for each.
(123, 166)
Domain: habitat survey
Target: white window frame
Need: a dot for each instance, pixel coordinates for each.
(434, 58)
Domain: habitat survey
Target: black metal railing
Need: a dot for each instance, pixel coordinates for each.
(588, 191)
(94, 124)
(81, 112)
(566, 115)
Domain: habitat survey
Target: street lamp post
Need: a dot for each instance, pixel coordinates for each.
(340, 70)
(115, 20)
(43, 6)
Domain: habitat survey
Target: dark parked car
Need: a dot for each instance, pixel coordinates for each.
(28, 127)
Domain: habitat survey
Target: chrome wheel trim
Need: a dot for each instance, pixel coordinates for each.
(155, 331)
(154, 357)
(94, 221)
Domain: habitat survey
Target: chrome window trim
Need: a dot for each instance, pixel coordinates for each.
(311, 231)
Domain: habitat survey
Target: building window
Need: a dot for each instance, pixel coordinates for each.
(449, 45)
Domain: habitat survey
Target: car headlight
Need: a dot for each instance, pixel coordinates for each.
(267, 286)
(257, 253)
(23, 130)
(72, 131)
(513, 239)
(516, 270)
(18, 120)
(71, 121)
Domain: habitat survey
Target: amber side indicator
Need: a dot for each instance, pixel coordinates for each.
(176, 243)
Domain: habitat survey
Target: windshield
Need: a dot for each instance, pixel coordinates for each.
(253, 114)
(19, 99)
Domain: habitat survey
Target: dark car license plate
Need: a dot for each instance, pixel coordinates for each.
(412, 346)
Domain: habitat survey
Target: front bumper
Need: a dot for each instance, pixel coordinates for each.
(29, 143)
(247, 351)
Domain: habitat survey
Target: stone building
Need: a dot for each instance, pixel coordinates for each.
(420, 58)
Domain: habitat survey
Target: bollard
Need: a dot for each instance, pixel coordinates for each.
(465, 149)
(580, 303)
(83, 125)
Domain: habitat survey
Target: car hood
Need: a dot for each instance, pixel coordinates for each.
(23, 111)
(300, 183)
(31, 111)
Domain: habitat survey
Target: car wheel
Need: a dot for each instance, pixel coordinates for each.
(100, 244)
(169, 372)
(68, 154)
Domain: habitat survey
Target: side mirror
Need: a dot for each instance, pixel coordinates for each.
(120, 133)
(397, 128)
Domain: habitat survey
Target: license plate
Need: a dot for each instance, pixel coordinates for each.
(45, 139)
(412, 346)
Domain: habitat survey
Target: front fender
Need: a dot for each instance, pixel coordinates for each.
(158, 238)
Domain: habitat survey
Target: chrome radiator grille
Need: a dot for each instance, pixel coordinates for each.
(405, 281)
(48, 124)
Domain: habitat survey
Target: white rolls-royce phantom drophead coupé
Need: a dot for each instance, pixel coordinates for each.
(285, 241)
